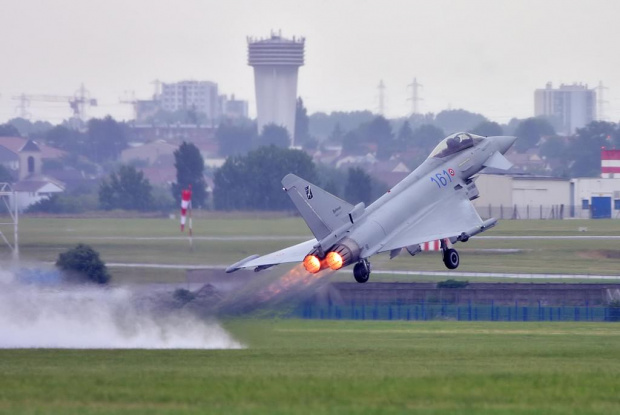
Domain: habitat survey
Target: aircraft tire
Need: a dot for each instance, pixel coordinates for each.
(361, 272)
(451, 258)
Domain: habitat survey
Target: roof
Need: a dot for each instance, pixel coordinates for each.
(30, 146)
(35, 184)
(15, 144)
(19, 144)
(7, 155)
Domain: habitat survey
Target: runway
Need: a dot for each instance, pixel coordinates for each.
(497, 275)
(459, 274)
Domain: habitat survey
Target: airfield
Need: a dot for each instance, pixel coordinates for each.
(285, 365)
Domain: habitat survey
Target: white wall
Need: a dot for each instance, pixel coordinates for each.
(587, 187)
(25, 199)
(540, 192)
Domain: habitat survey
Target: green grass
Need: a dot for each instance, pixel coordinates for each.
(321, 367)
(42, 239)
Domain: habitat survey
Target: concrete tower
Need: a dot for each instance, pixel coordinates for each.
(275, 61)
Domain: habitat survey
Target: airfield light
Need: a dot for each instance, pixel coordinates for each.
(334, 260)
(312, 264)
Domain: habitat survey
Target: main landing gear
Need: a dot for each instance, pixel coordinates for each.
(450, 258)
(361, 271)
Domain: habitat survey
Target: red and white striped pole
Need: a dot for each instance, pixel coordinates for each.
(186, 205)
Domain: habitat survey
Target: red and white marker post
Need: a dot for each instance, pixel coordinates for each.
(186, 211)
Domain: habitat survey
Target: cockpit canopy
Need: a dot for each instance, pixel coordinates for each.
(454, 143)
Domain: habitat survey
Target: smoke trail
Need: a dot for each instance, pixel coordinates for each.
(90, 317)
(294, 280)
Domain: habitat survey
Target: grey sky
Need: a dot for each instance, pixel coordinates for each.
(483, 56)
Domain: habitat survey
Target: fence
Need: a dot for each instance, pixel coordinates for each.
(462, 312)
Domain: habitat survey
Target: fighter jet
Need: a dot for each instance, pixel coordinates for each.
(432, 203)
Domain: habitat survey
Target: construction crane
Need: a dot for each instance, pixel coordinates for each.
(77, 102)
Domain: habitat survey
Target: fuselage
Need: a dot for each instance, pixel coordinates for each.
(419, 193)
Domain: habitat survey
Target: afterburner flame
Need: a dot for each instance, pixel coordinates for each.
(334, 260)
(312, 264)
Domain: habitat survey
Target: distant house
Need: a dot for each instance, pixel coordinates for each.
(31, 191)
(149, 152)
(24, 159)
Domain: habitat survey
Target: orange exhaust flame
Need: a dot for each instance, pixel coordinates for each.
(334, 260)
(312, 264)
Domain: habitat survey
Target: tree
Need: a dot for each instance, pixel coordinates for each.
(322, 124)
(488, 129)
(65, 203)
(106, 139)
(254, 181)
(585, 150)
(404, 138)
(190, 172)
(273, 134)
(378, 131)
(82, 263)
(337, 134)
(453, 121)
(127, 189)
(352, 144)
(530, 131)
(358, 187)
(427, 136)
(553, 148)
(34, 130)
(302, 122)
(234, 139)
(66, 139)
(5, 175)
(7, 130)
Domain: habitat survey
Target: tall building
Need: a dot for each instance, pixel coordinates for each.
(201, 96)
(233, 108)
(275, 61)
(568, 107)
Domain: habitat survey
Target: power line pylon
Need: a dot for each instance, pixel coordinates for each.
(415, 96)
(381, 88)
(7, 195)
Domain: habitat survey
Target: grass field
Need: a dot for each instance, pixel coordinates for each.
(42, 239)
(324, 367)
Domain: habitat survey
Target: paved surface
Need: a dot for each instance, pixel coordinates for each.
(498, 275)
(395, 272)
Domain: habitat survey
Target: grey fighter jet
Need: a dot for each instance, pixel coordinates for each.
(432, 203)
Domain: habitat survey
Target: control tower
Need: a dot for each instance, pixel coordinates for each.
(275, 61)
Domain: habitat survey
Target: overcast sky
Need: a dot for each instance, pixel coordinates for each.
(482, 56)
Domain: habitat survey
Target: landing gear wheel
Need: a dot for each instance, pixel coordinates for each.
(451, 258)
(361, 271)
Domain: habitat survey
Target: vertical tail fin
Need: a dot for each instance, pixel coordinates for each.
(322, 211)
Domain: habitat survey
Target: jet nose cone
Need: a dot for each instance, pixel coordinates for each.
(504, 142)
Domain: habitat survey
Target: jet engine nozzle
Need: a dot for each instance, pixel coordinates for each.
(312, 264)
(343, 254)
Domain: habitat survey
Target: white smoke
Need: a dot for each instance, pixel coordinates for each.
(90, 317)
